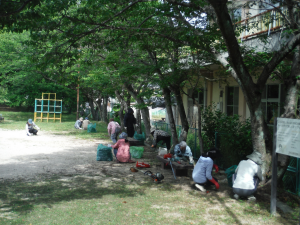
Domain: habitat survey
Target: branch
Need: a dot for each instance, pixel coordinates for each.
(18, 10)
(277, 58)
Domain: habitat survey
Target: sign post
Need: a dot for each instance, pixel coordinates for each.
(286, 140)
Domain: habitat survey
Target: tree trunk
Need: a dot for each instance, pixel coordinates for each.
(184, 121)
(104, 109)
(200, 128)
(93, 111)
(138, 121)
(167, 97)
(258, 137)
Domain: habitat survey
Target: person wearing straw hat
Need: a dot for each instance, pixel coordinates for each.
(78, 123)
(31, 128)
(121, 149)
(247, 176)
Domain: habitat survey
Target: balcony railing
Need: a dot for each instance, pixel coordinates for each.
(264, 22)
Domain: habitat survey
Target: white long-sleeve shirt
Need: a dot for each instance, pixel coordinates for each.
(245, 172)
(29, 126)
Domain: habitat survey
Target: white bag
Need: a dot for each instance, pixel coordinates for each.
(162, 151)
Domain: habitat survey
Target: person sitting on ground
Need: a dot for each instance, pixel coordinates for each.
(114, 130)
(31, 128)
(85, 123)
(182, 150)
(78, 123)
(129, 121)
(247, 176)
(160, 135)
(121, 149)
(202, 171)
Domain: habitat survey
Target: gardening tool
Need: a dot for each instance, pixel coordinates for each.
(142, 165)
(157, 178)
(170, 160)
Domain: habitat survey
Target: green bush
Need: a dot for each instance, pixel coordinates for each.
(233, 135)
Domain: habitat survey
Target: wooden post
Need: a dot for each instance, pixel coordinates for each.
(274, 170)
(77, 114)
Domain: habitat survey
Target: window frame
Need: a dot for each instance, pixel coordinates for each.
(233, 105)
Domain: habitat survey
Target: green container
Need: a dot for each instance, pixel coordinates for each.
(136, 152)
(104, 153)
(230, 171)
(92, 128)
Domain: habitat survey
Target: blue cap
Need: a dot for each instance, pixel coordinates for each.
(30, 121)
(123, 135)
(86, 118)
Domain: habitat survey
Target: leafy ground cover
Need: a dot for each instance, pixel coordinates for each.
(108, 193)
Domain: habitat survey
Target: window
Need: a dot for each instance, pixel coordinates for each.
(232, 101)
(270, 102)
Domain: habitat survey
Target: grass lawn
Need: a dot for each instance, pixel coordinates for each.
(108, 196)
(17, 121)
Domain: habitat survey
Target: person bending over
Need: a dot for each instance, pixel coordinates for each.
(202, 171)
(31, 128)
(113, 130)
(247, 176)
(160, 135)
(121, 149)
(78, 123)
(182, 150)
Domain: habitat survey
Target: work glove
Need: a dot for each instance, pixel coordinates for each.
(215, 183)
(191, 159)
(216, 168)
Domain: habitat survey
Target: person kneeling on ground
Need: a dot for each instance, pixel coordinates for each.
(113, 129)
(160, 135)
(121, 149)
(31, 128)
(85, 123)
(202, 171)
(78, 123)
(182, 150)
(247, 176)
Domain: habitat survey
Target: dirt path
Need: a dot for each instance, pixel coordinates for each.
(29, 156)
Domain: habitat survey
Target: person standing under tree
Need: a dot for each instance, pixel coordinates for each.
(129, 121)
(31, 128)
(113, 130)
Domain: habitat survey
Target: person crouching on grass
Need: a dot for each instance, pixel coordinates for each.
(247, 176)
(121, 149)
(31, 128)
(202, 171)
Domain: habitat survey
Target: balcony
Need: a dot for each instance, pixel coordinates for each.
(265, 22)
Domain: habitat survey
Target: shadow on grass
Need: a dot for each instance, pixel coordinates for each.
(22, 197)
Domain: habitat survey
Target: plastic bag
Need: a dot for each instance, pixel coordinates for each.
(230, 171)
(104, 153)
(92, 128)
(139, 137)
(136, 152)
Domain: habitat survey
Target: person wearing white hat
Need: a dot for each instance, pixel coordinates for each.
(247, 176)
(78, 123)
(31, 128)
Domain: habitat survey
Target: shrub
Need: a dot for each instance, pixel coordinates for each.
(233, 136)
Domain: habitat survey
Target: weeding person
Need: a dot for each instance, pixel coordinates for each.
(121, 149)
(160, 135)
(78, 123)
(85, 123)
(247, 176)
(129, 121)
(113, 130)
(31, 128)
(182, 150)
(202, 171)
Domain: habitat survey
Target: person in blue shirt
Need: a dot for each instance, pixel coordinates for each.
(202, 171)
(182, 150)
